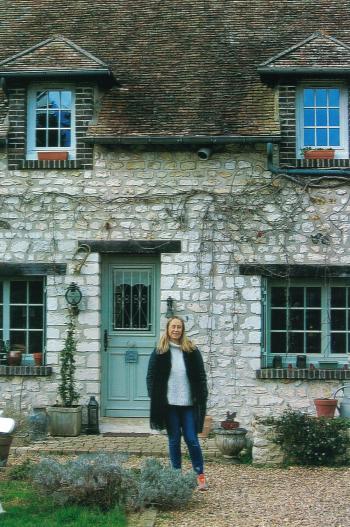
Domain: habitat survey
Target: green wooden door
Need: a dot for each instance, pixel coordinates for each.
(130, 330)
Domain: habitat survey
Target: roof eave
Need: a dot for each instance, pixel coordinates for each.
(303, 71)
(103, 74)
(199, 140)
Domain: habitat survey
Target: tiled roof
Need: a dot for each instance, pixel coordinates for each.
(318, 51)
(53, 54)
(186, 67)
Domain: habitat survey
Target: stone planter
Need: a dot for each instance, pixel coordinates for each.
(230, 442)
(64, 421)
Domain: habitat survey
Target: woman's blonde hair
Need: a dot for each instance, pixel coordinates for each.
(185, 343)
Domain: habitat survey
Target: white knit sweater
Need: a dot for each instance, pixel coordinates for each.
(179, 392)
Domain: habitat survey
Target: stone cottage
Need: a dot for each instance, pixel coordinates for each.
(157, 155)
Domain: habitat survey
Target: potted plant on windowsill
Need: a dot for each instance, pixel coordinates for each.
(46, 155)
(65, 418)
(318, 153)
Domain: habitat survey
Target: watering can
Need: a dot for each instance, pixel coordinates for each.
(344, 407)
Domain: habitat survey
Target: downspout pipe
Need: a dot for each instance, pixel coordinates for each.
(302, 171)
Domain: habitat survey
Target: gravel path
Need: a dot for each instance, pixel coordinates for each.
(245, 496)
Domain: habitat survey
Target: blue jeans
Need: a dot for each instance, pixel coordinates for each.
(181, 419)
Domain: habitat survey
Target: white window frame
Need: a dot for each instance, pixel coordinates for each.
(32, 150)
(341, 152)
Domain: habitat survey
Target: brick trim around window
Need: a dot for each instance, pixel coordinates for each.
(17, 101)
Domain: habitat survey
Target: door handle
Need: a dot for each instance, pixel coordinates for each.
(105, 339)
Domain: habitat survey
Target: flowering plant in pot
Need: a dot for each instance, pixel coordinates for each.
(229, 423)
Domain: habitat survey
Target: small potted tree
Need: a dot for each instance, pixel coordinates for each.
(65, 418)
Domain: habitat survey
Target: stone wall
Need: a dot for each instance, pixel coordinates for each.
(226, 211)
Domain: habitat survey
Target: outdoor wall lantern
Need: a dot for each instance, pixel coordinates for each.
(73, 297)
(170, 308)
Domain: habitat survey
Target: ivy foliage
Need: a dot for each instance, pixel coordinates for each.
(308, 440)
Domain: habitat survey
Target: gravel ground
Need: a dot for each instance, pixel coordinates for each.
(241, 495)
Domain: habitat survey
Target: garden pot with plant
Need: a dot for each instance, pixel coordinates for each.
(318, 153)
(65, 418)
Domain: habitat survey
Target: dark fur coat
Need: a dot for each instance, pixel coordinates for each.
(157, 385)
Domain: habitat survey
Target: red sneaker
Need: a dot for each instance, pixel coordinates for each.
(202, 482)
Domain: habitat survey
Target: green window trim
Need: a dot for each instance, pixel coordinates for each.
(309, 318)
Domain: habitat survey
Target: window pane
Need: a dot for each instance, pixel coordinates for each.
(66, 99)
(338, 319)
(296, 296)
(65, 138)
(65, 119)
(35, 341)
(309, 137)
(278, 296)
(278, 342)
(309, 117)
(278, 319)
(296, 343)
(313, 296)
(53, 137)
(334, 117)
(321, 117)
(296, 319)
(41, 99)
(321, 136)
(54, 99)
(53, 119)
(35, 292)
(18, 292)
(321, 97)
(41, 121)
(41, 138)
(338, 343)
(338, 297)
(313, 319)
(18, 337)
(334, 137)
(333, 97)
(313, 343)
(308, 97)
(18, 317)
(35, 317)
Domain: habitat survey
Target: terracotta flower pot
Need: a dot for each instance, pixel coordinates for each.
(38, 358)
(14, 358)
(325, 407)
(208, 423)
(319, 153)
(52, 156)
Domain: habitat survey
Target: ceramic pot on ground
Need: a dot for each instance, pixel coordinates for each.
(325, 407)
(231, 442)
(208, 423)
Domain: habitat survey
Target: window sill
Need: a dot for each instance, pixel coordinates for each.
(322, 163)
(39, 165)
(25, 371)
(303, 374)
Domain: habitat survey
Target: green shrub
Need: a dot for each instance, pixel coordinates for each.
(101, 480)
(163, 487)
(93, 480)
(306, 440)
(20, 472)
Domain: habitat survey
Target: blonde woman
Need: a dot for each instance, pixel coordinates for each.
(177, 387)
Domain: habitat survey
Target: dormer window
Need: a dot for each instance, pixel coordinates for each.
(322, 119)
(51, 126)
